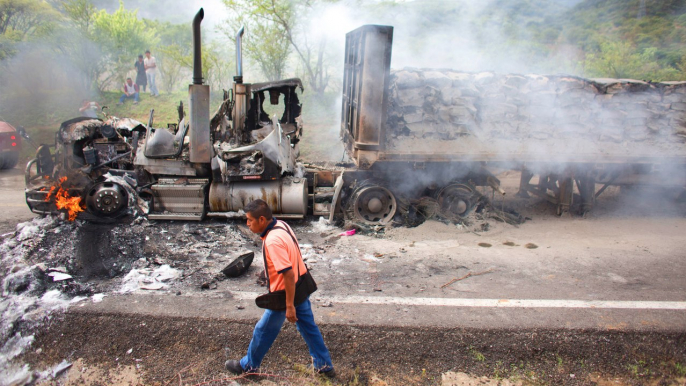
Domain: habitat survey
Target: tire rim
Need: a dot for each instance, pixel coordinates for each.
(374, 205)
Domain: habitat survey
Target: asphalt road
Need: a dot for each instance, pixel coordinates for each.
(13, 208)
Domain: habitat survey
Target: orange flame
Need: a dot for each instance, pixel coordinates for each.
(64, 201)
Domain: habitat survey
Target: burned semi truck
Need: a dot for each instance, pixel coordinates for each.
(411, 134)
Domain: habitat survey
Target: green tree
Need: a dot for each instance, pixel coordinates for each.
(263, 42)
(21, 20)
(76, 40)
(623, 60)
(282, 20)
(121, 36)
(175, 45)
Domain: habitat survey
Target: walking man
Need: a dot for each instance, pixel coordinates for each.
(150, 70)
(283, 264)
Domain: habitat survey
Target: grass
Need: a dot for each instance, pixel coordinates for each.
(639, 369)
(680, 369)
(478, 356)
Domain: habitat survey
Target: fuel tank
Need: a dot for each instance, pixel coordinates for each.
(286, 197)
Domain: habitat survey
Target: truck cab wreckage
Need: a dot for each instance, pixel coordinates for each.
(198, 167)
(422, 142)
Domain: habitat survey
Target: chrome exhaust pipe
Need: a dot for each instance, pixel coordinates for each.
(239, 56)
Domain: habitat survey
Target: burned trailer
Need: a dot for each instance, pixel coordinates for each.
(437, 132)
(198, 167)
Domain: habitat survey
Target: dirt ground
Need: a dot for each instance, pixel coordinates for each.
(630, 248)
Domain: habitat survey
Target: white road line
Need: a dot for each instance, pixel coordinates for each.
(492, 303)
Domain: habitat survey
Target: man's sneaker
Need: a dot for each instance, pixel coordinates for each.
(234, 366)
(329, 374)
(135, 103)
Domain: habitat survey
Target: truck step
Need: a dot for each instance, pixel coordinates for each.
(184, 199)
(176, 216)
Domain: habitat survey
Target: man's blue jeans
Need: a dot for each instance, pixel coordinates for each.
(151, 84)
(268, 328)
(123, 96)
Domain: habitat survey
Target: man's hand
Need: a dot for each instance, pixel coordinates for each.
(290, 314)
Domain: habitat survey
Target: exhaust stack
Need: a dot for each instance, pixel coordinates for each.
(199, 95)
(239, 56)
(197, 51)
(240, 92)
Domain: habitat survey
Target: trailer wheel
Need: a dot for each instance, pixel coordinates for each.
(456, 200)
(373, 204)
(106, 199)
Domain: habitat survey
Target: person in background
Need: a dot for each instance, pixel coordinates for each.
(141, 78)
(283, 264)
(89, 109)
(150, 71)
(130, 91)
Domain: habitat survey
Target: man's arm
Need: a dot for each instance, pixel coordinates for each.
(289, 283)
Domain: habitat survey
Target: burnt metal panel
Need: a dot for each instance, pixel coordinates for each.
(365, 91)
(291, 82)
(200, 146)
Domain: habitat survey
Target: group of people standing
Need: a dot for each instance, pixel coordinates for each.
(146, 69)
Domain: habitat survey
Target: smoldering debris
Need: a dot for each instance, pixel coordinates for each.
(556, 118)
(413, 212)
(47, 265)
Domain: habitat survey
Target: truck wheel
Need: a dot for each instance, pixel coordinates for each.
(373, 204)
(456, 200)
(106, 199)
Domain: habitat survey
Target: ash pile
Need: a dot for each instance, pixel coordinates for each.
(48, 265)
(534, 114)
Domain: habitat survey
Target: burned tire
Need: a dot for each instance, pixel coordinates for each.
(457, 200)
(372, 204)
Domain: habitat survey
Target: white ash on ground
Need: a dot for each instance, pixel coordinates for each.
(48, 265)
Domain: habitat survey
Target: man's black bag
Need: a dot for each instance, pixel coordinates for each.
(277, 300)
(303, 288)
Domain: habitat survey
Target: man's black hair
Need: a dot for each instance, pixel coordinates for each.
(140, 56)
(258, 208)
(147, 51)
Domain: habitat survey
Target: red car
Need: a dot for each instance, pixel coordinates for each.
(10, 145)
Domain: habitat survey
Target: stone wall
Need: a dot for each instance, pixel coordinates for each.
(430, 105)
